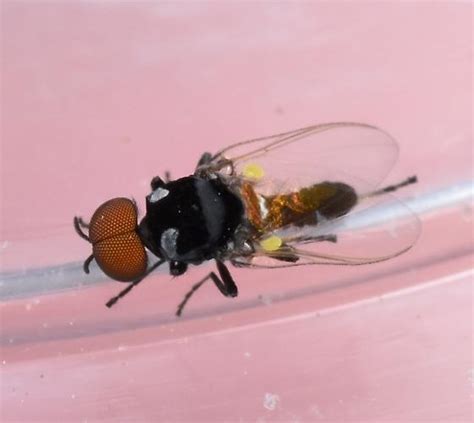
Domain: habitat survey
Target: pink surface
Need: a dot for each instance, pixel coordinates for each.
(98, 97)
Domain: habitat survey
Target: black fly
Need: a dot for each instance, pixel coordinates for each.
(295, 198)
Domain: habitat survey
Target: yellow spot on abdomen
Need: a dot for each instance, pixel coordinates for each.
(253, 171)
(272, 243)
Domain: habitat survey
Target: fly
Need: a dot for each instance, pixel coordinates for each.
(296, 198)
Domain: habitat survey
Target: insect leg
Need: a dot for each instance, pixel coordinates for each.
(319, 238)
(125, 291)
(157, 182)
(82, 223)
(287, 252)
(206, 158)
(78, 225)
(391, 188)
(226, 286)
(87, 262)
(189, 294)
(288, 257)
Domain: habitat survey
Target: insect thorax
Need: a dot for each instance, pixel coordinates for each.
(191, 219)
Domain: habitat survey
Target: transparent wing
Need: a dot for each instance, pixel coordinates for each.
(377, 229)
(355, 153)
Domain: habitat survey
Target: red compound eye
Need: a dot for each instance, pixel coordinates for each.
(114, 217)
(117, 248)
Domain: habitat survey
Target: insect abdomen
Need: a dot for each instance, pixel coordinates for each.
(327, 199)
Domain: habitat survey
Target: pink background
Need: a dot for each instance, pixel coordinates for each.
(98, 97)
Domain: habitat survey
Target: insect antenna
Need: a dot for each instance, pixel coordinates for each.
(391, 188)
(124, 292)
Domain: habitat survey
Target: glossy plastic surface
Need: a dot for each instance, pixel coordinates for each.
(99, 97)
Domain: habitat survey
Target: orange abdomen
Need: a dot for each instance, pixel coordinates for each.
(327, 199)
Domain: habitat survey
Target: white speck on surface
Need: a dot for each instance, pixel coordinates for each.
(158, 194)
(5, 245)
(270, 401)
(247, 354)
(28, 307)
(315, 411)
(45, 325)
(73, 396)
(121, 348)
(71, 323)
(4, 362)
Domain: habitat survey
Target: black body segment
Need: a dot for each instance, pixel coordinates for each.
(240, 206)
(189, 220)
